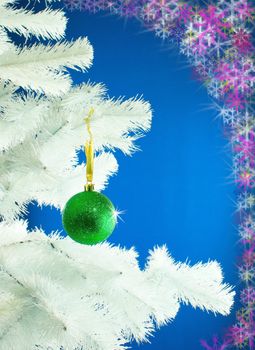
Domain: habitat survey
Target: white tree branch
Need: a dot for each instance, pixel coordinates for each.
(101, 288)
(42, 67)
(46, 24)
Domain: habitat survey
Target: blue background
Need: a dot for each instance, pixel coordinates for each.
(178, 189)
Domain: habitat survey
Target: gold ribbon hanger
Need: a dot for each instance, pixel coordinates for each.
(89, 152)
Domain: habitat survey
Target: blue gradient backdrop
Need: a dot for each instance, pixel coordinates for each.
(177, 190)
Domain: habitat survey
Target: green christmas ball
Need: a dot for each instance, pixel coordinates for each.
(89, 217)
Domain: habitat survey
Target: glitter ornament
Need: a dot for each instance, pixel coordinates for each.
(89, 217)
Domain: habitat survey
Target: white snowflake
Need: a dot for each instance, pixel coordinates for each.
(247, 228)
(162, 29)
(214, 88)
(229, 115)
(186, 49)
(247, 273)
(245, 124)
(219, 48)
(245, 201)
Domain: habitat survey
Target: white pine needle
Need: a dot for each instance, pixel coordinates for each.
(42, 67)
(58, 293)
(201, 285)
(72, 181)
(34, 130)
(5, 42)
(46, 187)
(46, 24)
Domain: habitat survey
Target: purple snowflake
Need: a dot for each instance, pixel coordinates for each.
(248, 296)
(186, 12)
(128, 8)
(236, 100)
(242, 41)
(245, 179)
(238, 334)
(247, 228)
(244, 10)
(246, 146)
(243, 333)
(216, 344)
(249, 256)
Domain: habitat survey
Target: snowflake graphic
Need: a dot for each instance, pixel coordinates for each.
(245, 178)
(245, 201)
(111, 6)
(214, 88)
(239, 335)
(246, 146)
(247, 230)
(74, 4)
(248, 296)
(185, 13)
(191, 31)
(177, 32)
(244, 331)
(219, 48)
(249, 256)
(245, 125)
(216, 344)
(163, 29)
(229, 115)
(242, 41)
(88, 5)
(127, 8)
(202, 71)
(236, 100)
(247, 273)
(244, 11)
(158, 10)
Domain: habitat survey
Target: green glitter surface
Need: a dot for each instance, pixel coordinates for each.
(88, 217)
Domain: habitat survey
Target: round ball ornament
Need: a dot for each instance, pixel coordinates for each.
(89, 217)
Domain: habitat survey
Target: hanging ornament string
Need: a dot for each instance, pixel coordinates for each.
(89, 152)
(89, 217)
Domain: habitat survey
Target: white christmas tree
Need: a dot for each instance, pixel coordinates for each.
(56, 293)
